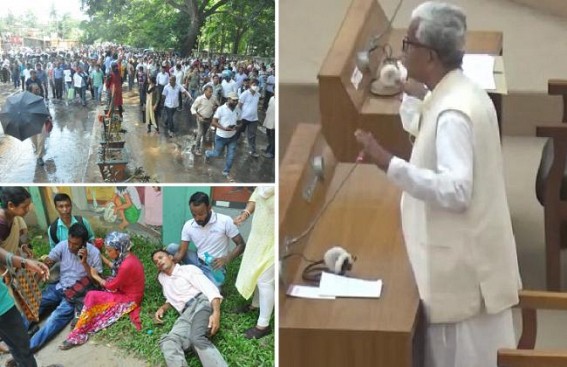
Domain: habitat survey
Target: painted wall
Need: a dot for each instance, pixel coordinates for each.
(176, 200)
(136, 209)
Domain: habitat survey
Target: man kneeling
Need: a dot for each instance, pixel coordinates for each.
(197, 300)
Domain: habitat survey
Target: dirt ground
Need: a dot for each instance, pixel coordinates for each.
(91, 354)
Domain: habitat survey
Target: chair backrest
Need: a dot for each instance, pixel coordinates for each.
(558, 87)
(555, 87)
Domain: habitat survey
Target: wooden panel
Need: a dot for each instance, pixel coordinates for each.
(364, 219)
(531, 358)
(296, 214)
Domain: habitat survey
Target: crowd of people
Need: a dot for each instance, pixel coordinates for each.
(191, 280)
(161, 81)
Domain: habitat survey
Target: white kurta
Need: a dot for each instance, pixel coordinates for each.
(473, 342)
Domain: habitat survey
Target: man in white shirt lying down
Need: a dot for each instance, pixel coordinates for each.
(197, 300)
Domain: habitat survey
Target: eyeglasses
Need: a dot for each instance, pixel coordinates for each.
(406, 42)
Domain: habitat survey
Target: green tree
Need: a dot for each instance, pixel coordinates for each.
(197, 11)
(245, 26)
(235, 26)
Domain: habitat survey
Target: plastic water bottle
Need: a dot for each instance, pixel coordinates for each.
(218, 273)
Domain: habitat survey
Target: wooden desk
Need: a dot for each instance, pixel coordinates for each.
(344, 108)
(364, 219)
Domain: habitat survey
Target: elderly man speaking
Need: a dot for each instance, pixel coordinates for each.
(455, 216)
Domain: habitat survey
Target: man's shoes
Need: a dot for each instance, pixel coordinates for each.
(245, 308)
(268, 155)
(229, 178)
(198, 152)
(255, 333)
(40, 162)
(254, 154)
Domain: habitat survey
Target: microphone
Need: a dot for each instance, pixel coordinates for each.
(338, 260)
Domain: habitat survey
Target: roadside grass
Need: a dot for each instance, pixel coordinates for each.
(235, 348)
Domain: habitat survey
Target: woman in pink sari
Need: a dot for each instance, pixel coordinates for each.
(123, 293)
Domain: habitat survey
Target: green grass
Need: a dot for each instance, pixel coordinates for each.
(237, 350)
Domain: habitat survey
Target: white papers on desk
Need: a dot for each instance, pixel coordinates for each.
(480, 69)
(303, 291)
(341, 286)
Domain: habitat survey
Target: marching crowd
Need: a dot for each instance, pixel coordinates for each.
(223, 94)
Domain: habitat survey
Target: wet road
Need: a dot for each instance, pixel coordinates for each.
(71, 149)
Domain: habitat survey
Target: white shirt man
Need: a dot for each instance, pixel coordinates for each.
(179, 74)
(240, 78)
(226, 117)
(162, 78)
(213, 238)
(249, 103)
(197, 300)
(172, 95)
(270, 82)
(228, 87)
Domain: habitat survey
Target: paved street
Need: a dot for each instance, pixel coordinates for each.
(71, 149)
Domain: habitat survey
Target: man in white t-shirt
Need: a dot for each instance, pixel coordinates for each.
(171, 101)
(211, 233)
(225, 121)
(228, 86)
(249, 105)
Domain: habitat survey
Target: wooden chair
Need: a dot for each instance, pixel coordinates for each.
(525, 355)
(551, 188)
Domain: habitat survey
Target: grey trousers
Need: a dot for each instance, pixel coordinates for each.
(202, 128)
(190, 331)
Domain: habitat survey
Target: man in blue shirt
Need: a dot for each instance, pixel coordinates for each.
(58, 76)
(77, 257)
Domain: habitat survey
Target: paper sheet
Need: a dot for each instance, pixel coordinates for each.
(303, 291)
(480, 68)
(356, 77)
(341, 286)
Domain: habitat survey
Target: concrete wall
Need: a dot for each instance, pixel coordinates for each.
(555, 7)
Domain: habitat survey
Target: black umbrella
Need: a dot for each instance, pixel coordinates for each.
(23, 115)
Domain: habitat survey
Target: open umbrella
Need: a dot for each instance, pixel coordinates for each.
(23, 115)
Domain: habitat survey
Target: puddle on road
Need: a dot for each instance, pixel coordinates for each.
(71, 149)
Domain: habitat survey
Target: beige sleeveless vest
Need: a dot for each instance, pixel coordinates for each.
(463, 262)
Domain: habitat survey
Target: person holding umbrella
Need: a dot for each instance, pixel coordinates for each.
(25, 115)
(38, 140)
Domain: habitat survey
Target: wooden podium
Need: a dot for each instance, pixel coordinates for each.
(345, 106)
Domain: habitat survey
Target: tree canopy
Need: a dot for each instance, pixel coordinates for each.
(231, 26)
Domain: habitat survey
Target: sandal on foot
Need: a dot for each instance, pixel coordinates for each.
(66, 345)
(255, 333)
(4, 348)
